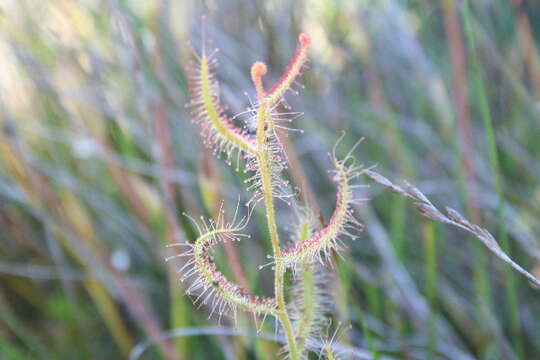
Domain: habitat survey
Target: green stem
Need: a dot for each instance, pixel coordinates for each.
(266, 182)
(284, 316)
(305, 324)
(480, 90)
(309, 300)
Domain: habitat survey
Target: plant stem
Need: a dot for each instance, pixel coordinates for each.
(284, 316)
(480, 91)
(266, 182)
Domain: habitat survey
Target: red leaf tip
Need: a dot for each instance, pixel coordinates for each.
(258, 69)
(304, 39)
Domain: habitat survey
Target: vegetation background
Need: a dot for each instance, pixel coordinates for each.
(99, 158)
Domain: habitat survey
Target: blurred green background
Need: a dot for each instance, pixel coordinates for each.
(99, 158)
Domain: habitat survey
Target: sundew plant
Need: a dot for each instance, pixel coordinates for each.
(259, 147)
(119, 149)
(256, 146)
